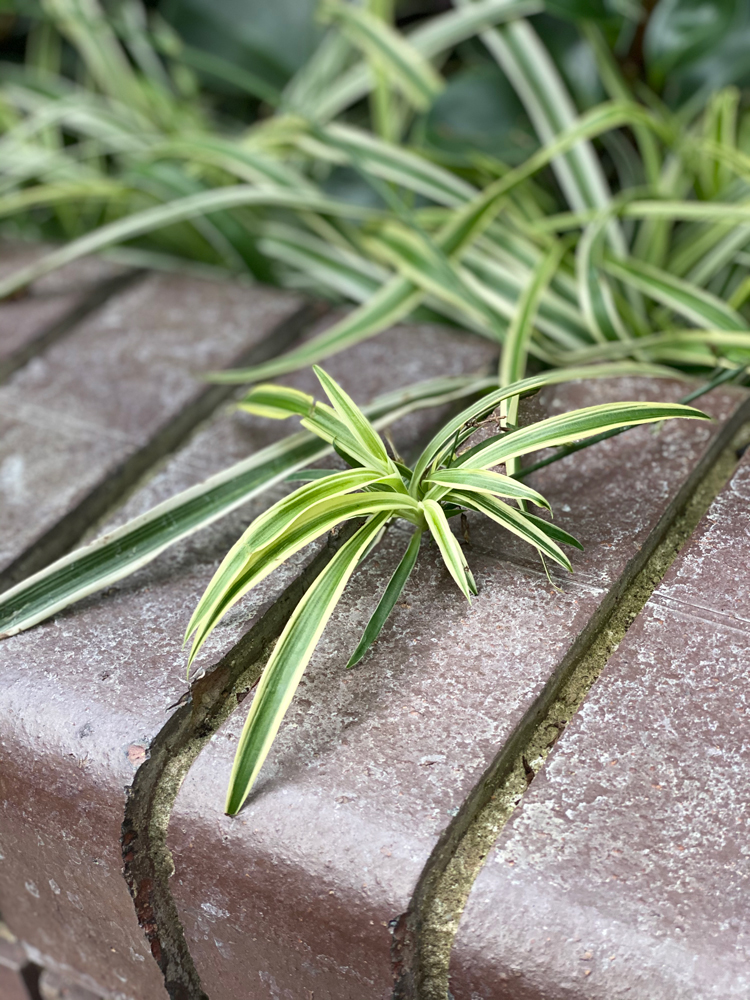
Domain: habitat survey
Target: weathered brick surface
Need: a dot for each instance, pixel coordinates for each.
(624, 872)
(86, 693)
(72, 416)
(37, 311)
(294, 897)
(17, 978)
(12, 985)
(55, 987)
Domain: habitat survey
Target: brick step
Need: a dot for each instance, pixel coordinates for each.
(53, 306)
(317, 887)
(624, 872)
(329, 881)
(87, 693)
(98, 408)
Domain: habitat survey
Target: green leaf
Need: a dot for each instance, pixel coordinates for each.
(444, 438)
(437, 35)
(389, 50)
(484, 481)
(386, 604)
(515, 351)
(288, 661)
(275, 521)
(554, 532)
(245, 566)
(357, 423)
(506, 283)
(345, 144)
(325, 422)
(398, 297)
(529, 67)
(84, 23)
(388, 305)
(516, 521)
(450, 549)
(595, 295)
(684, 298)
(658, 343)
(421, 261)
(323, 265)
(697, 211)
(178, 210)
(574, 426)
(279, 402)
(125, 550)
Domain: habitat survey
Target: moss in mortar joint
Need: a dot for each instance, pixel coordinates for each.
(458, 860)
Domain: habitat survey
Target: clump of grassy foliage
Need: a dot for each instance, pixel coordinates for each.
(442, 483)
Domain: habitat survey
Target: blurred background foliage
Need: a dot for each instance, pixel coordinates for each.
(398, 114)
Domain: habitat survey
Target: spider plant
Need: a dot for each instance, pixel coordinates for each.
(379, 488)
(615, 242)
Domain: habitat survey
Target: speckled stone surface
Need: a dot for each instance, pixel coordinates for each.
(54, 987)
(84, 694)
(49, 300)
(294, 897)
(624, 874)
(73, 414)
(15, 972)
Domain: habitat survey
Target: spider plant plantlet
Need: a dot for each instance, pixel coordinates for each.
(443, 482)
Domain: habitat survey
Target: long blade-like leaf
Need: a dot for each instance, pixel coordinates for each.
(437, 35)
(242, 569)
(446, 435)
(190, 207)
(685, 298)
(399, 296)
(595, 294)
(288, 661)
(574, 426)
(516, 521)
(386, 604)
(273, 523)
(482, 481)
(405, 64)
(390, 304)
(449, 547)
(357, 423)
(553, 531)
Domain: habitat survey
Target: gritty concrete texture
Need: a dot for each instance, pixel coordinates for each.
(55, 987)
(93, 400)
(624, 872)
(29, 320)
(17, 977)
(86, 694)
(297, 896)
